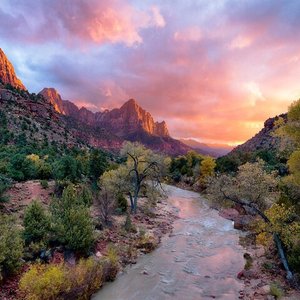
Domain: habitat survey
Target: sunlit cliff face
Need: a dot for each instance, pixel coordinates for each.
(214, 70)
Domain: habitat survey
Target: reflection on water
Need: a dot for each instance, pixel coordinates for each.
(200, 259)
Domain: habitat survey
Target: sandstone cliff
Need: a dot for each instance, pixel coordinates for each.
(7, 73)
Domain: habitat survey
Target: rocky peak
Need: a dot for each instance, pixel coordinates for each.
(7, 73)
(54, 98)
(136, 119)
(161, 129)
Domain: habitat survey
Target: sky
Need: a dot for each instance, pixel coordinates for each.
(213, 70)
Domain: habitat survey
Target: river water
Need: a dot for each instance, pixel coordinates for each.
(200, 259)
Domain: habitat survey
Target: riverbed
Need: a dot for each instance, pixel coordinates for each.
(200, 259)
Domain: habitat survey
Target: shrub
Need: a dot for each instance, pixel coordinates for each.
(111, 264)
(63, 282)
(276, 290)
(11, 246)
(122, 203)
(36, 223)
(84, 279)
(44, 184)
(43, 282)
(147, 243)
(73, 224)
(4, 186)
(86, 195)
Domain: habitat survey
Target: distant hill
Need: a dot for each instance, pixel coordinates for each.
(214, 150)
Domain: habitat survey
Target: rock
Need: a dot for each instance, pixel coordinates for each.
(260, 252)
(242, 222)
(247, 274)
(265, 289)
(7, 73)
(54, 98)
(98, 254)
(229, 213)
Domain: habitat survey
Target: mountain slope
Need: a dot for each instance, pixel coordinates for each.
(7, 73)
(263, 140)
(129, 122)
(48, 118)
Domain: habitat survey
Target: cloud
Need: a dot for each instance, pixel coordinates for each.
(214, 70)
(74, 21)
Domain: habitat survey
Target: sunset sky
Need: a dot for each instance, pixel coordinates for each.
(213, 70)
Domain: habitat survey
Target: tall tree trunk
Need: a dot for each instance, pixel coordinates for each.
(136, 195)
(131, 202)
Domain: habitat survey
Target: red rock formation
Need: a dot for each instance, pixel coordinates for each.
(131, 118)
(124, 121)
(7, 73)
(54, 98)
(129, 122)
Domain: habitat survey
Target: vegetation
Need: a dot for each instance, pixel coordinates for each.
(72, 223)
(11, 246)
(141, 174)
(63, 281)
(36, 224)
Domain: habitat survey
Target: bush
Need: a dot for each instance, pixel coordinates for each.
(44, 184)
(122, 203)
(11, 246)
(63, 282)
(111, 264)
(66, 168)
(86, 195)
(276, 291)
(72, 222)
(36, 223)
(43, 282)
(4, 186)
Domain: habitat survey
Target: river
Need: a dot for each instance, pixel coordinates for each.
(199, 260)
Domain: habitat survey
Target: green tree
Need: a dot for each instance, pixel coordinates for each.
(72, 222)
(11, 246)
(66, 168)
(98, 164)
(36, 223)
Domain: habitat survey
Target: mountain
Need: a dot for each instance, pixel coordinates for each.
(129, 122)
(48, 118)
(263, 140)
(7, 73)
(214, 150)
(54, 98)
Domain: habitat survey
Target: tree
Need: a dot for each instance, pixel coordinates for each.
(145, 170)
(4, 185)
(66, 168)
(98, 164)
(11, 246)
(254, 188)
(106, 204)
(72, 222)
(36, 223)
(207, 169)
(142, 172)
